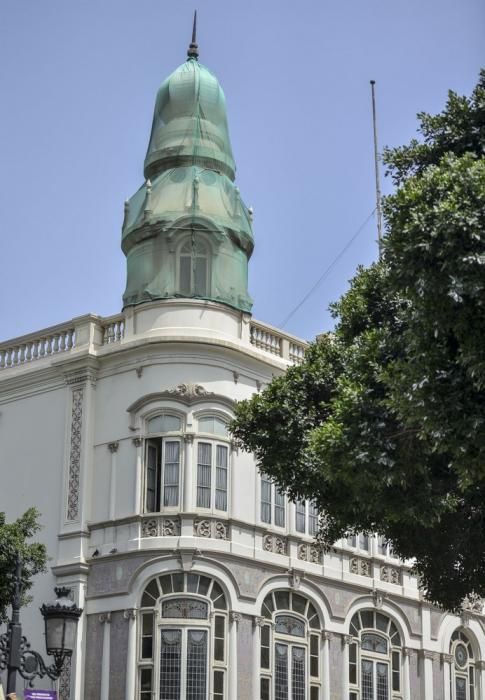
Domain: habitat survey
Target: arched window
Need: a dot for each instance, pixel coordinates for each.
(463, 667)
(162, 462)
(374, 657)
(290, 648)
(182, 641)
(194, 269)
(212, 463)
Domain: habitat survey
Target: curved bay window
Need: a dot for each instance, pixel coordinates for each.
(290, 648)
(182, 644)
(194, 269)
(162, 463)
(374, 657)
(463, 668)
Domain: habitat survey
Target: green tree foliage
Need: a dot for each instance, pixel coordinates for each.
(383, 425)
(14, 542)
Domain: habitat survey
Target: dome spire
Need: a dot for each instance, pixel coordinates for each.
(193, 52)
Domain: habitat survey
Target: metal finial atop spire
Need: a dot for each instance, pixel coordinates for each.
(193, 51)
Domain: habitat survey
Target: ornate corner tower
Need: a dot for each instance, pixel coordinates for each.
(186, 232)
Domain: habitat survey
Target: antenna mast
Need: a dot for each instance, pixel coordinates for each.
(376, 165)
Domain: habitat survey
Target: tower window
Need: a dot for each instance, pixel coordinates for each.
(194, 269)
(162, 464)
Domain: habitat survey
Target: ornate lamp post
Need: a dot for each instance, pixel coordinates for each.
(61, 619)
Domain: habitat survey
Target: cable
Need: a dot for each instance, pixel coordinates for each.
(329, 268)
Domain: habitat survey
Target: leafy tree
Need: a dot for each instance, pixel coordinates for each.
(13, 543)
(383, 425)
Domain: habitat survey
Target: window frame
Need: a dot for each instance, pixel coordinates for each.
(202, 240)
(275, 508)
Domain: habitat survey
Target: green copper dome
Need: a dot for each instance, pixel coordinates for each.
(186, 232)
(190, 123)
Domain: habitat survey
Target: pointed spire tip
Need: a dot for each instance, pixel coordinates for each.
(193, 52)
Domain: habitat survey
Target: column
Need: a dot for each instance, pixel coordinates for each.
(137, 506)
(130, 616)
(427, 658)
(105, 620)
(325, 662)
(346, 640)
(113, 448)
(480, 672)
(188, 470)
(406, 681)
(235, 617)
(258, 622)
(447, 660)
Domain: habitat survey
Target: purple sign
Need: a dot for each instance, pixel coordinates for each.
(34, 694)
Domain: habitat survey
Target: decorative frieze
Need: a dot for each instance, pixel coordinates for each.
(275, 544)
(214, 529)
(75, 454)
(311, 553)
(473, 603)
(160, 527)
(391, 574)
(360, 566)
(190, 391)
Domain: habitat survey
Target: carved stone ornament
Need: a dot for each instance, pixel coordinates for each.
(473, 603)
(160, 527)
(446, 658)
(378, 598)
(390, 574)
(189, 391)
(431, 655)
(407, 651)
(105, 618)
(215, 529)
(75, 454)
(294, 578)
(327, 636)
(311, 553)
(346, 639)
(113, 447)
(275, 544)
(129, 614)
(235, 616)
(258, 621)
(360, 566)
(137, 441)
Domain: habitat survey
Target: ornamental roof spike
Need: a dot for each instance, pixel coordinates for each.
(193, 50)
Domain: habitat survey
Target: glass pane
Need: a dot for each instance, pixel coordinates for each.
(300, 507)
(200, 282)
(364, 542)
(185, 275)
(298, 673)
(151, 594)
(312, 519)
(196, 665)
(264, 688)
(192, 583)
(185, 608)
(163, 424)
(204, 584)
(314, 693)
(219, 636)
(367, 680)
(166, 584)
(281, 672)
(170, 664)
(217, 596)
(367, 617)
(282, 600)
(171, 473)
(213, 424)
(218, 685)
(221, 477)
(265, 500)
(287, 624)
(298, 603)
(152, 478)
(375, 643)
(178, 583)
(382, 681)
(396, 670)
(460, 689)
(204, 466)
(382, 622)
(146, 684)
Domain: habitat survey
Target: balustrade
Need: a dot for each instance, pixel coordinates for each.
(30, 348)
(271, 340)
(113, 329)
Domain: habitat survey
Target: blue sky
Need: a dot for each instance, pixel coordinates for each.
(78, 82)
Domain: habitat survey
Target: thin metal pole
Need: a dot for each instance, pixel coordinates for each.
(376, 165)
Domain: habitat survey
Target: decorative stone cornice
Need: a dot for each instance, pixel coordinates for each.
(113, 446)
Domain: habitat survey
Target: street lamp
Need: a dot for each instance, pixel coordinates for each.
(61, 619)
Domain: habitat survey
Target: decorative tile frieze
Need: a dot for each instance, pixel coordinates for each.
(275, 544)
(215, 529)
(360, 566)
(75, 454)
(311, 553)
(391, 574)
(160, 527)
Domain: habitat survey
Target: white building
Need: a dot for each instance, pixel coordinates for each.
(197, 579)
